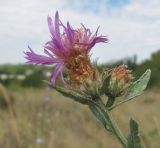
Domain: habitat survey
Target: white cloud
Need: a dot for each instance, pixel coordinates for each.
(22, 23)
(132, 29)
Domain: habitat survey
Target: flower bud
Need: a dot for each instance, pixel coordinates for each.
(120, 80)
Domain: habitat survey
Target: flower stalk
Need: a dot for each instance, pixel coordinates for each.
(113, 127)
(116, 130)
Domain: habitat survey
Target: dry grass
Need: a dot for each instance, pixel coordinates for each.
(45, 119)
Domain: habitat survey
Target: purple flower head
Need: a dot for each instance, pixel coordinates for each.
(66, 43)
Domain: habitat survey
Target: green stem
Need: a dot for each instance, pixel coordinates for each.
(103, 112)
(116, 131)
(110, 101)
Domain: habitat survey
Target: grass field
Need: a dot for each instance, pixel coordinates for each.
(42, 118)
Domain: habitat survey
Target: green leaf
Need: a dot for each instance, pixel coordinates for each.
(100, 116)
(138, 86)
(134, 140)
(73, 95)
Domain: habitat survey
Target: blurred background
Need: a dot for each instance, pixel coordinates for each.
(35, 116)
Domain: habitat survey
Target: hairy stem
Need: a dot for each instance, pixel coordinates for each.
(116, 131)
(106, 119)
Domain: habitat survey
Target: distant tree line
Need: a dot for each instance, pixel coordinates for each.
(23, 75)
(31, 76)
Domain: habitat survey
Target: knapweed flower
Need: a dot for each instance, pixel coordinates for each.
(68, 48)
(120, 80)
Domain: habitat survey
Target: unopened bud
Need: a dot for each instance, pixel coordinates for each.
(120, 80)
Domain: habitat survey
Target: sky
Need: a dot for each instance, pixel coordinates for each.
(132, 26)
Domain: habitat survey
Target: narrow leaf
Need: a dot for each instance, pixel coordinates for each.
(138, 86)
(134, 140)
(100, 116)
(71, 94)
